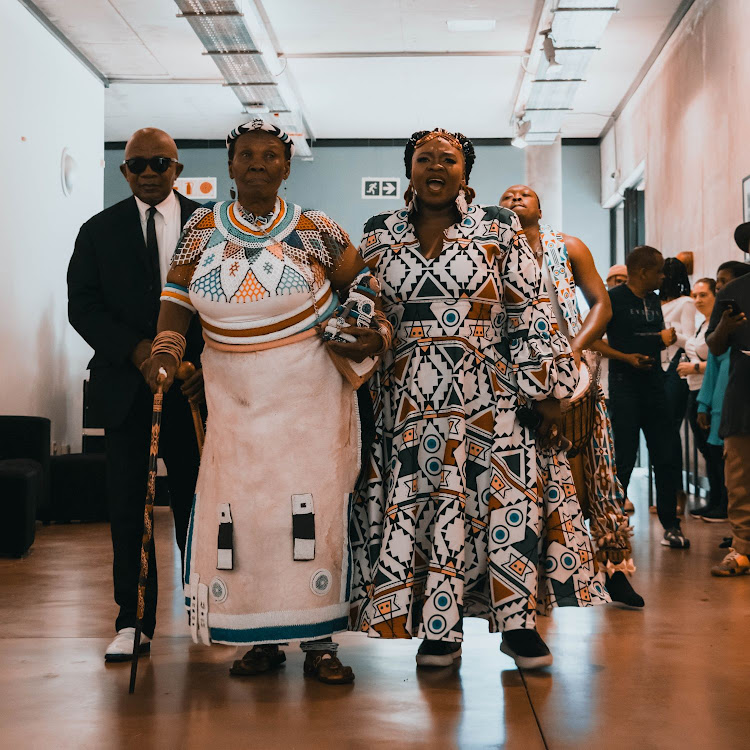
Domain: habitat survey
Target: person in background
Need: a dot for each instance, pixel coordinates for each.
(567, 265)
(115, 277)
(687, 259)
(729, 271)
(617, 274)
(696, 351)
(728, 329)
(679, 313)
(709, 402)
(637, 400)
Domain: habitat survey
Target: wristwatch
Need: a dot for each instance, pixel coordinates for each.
(697, 367)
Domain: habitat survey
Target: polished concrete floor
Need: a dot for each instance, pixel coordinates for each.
(676, 675)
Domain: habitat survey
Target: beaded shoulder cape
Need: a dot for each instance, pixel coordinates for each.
(304, 235)
(558, 261)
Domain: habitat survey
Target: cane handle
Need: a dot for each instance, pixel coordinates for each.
(185, 371)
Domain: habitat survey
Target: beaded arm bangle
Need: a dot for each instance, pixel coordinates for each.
(169, 342)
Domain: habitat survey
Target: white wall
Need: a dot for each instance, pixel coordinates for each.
(688, 122)
(49, 101)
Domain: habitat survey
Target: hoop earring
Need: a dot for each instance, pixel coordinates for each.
(464, 198)
(410, 197)
(461, 204)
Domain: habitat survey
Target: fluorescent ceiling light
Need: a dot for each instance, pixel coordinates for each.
(553, 65)
(471, 25)
(255, 109)
(519, 140)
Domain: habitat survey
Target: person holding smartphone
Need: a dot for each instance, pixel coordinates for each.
(728, 327)
(636, 336)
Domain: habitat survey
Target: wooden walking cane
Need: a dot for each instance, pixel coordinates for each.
(184, 372)
(147, 544)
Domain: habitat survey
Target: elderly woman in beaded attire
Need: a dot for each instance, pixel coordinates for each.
(448, 520)
(267, 557)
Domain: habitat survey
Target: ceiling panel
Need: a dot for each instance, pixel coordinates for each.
(626, 45)
(132, 38)
(183, 110)
(351, 98)
(388, 25)
(391, 98)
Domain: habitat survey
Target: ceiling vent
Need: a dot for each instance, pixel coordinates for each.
(568, 37)
(241, 48)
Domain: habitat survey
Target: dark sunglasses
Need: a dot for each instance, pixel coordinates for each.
(160, 164)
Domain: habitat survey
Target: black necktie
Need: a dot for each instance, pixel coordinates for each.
(152, 246)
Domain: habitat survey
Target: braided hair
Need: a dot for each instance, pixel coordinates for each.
(676, 283)
(467, 147)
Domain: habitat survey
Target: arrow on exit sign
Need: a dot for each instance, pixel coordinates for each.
(381, 187)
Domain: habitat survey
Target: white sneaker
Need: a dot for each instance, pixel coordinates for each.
(121, 649)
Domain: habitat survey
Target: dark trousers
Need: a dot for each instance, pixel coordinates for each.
(127, 449)
(637, 402)
(713, 455)
(677, 392)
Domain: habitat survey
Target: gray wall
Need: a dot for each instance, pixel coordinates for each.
(332, 183)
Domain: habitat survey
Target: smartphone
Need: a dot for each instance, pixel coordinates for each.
(731, 305)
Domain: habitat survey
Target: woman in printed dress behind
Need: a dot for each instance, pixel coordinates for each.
(448, 520)
(267, 560)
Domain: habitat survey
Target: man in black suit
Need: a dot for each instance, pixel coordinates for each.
(115, 277)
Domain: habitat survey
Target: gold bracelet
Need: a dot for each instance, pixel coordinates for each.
(169, 342)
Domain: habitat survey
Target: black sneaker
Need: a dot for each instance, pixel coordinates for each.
(675, 539)
(700, 512)
(622, 593)
(715, 515)
(437, 653)
(526, 648)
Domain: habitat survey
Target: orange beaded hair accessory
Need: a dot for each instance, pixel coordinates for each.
(440, 133)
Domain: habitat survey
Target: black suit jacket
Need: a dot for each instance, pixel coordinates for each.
(113, 303)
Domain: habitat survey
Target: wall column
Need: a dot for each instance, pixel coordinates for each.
(544, 176)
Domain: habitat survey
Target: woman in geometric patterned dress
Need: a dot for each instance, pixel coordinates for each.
(448, 518)
(266, 558)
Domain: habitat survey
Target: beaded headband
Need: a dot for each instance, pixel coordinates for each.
(258, 124)
(440, 133)
(457, 140)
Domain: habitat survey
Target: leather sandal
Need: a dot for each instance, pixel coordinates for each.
(326, 667)
(258, 660)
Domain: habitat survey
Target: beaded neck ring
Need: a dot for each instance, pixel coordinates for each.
(258, 221)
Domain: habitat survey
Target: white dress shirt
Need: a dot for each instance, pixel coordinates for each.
(168, 225)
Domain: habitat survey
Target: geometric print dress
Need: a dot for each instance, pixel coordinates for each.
(449, 518)
(609, 526)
